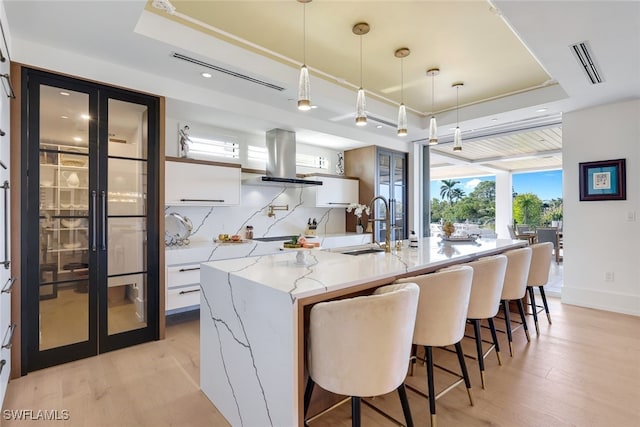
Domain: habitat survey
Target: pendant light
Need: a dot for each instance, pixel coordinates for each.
(433, 126)
(402, 53)
(361, 29)
(457, 135)
(304, 88)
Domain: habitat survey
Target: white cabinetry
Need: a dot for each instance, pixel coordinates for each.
(183, 287)
(336, 191)
(201, 183)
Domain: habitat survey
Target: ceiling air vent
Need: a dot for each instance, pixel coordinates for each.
(225, 71)
(583, 53)
(381, 121)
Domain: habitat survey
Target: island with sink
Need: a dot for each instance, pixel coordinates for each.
(253, 313)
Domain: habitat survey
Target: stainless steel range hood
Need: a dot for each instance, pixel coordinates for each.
(281, 159)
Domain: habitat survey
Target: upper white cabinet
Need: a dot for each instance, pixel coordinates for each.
(336, 191)
(201, 183)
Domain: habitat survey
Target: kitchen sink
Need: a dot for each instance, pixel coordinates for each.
(363, 251)
(273, 238)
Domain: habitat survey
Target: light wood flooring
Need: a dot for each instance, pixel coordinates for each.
(584, 370)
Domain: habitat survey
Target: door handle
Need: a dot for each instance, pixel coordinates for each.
(94, 212)
(103, 203)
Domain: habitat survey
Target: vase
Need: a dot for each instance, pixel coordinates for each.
(359, 228)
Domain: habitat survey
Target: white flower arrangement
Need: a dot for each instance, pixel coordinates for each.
(357, 209)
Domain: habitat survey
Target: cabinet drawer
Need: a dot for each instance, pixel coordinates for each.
(183, 297)
(183, 275)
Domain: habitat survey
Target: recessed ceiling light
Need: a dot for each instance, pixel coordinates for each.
(85, 116)
(77, 139)
(379, 127)
(314, 107)
(494, 120)
(64, 117)
(65, 93)
(452, 128)
(541, 110)
(206, 75)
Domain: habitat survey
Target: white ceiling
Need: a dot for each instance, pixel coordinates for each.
(513, 56)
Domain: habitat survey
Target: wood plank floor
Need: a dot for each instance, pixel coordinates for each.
(584, 370)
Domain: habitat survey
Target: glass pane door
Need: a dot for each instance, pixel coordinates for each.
(127, 217)
(63, 217)
(398, 204)
(384, 190)
(90, 252)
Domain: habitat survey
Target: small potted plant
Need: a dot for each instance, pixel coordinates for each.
(448, 229)
(358, 209)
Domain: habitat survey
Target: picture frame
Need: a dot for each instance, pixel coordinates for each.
(603, 180)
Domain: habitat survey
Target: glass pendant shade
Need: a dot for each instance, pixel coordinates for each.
(402, 120)
(361, 105)
(433, 131)
(304, 97)
(457, 140)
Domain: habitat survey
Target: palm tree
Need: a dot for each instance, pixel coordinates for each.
(446, 189)
(457, 194)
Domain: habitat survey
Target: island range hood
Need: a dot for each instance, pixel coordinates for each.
(281, 159)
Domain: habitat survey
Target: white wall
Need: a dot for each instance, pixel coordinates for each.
(598, 236)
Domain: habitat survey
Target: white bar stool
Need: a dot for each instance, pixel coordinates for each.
(361, 346)
(515, 288)
(538, 277)
(484, 303)
(441, 320)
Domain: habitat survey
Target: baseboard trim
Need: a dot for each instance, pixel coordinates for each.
(608, 301)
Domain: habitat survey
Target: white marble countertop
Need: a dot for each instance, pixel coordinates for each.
(207, 250)
(327, 271)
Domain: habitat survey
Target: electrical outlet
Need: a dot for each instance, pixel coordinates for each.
(608, 276)
(631, 216)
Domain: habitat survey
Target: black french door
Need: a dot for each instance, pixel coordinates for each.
(90, 218)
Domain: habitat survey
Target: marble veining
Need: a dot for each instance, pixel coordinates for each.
(243, 342)
(249, 330)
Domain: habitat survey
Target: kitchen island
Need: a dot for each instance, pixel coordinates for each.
(253, 311)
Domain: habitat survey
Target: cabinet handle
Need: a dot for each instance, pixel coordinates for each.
(8, 90)
(11, 330)
(203, 200)
(6, 262)
(94, 212)
(188, 292)
(2, 363)
(103, 233)
(182, 270)
(9, 285)
(337, 203)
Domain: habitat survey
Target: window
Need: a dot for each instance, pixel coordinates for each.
(218, 147)
(311, 161)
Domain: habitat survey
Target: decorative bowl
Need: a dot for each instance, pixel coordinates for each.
(71, 223)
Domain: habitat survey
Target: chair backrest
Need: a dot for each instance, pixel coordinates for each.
(512, 233)
(361, 346)
(522, 228)
(515, 278)
(443, 305)
(547, 234)
(540, 264)
(486, 287)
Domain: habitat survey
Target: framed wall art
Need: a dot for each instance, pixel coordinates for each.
(603, 180)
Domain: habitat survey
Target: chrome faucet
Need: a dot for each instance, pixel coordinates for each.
(387, 222)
